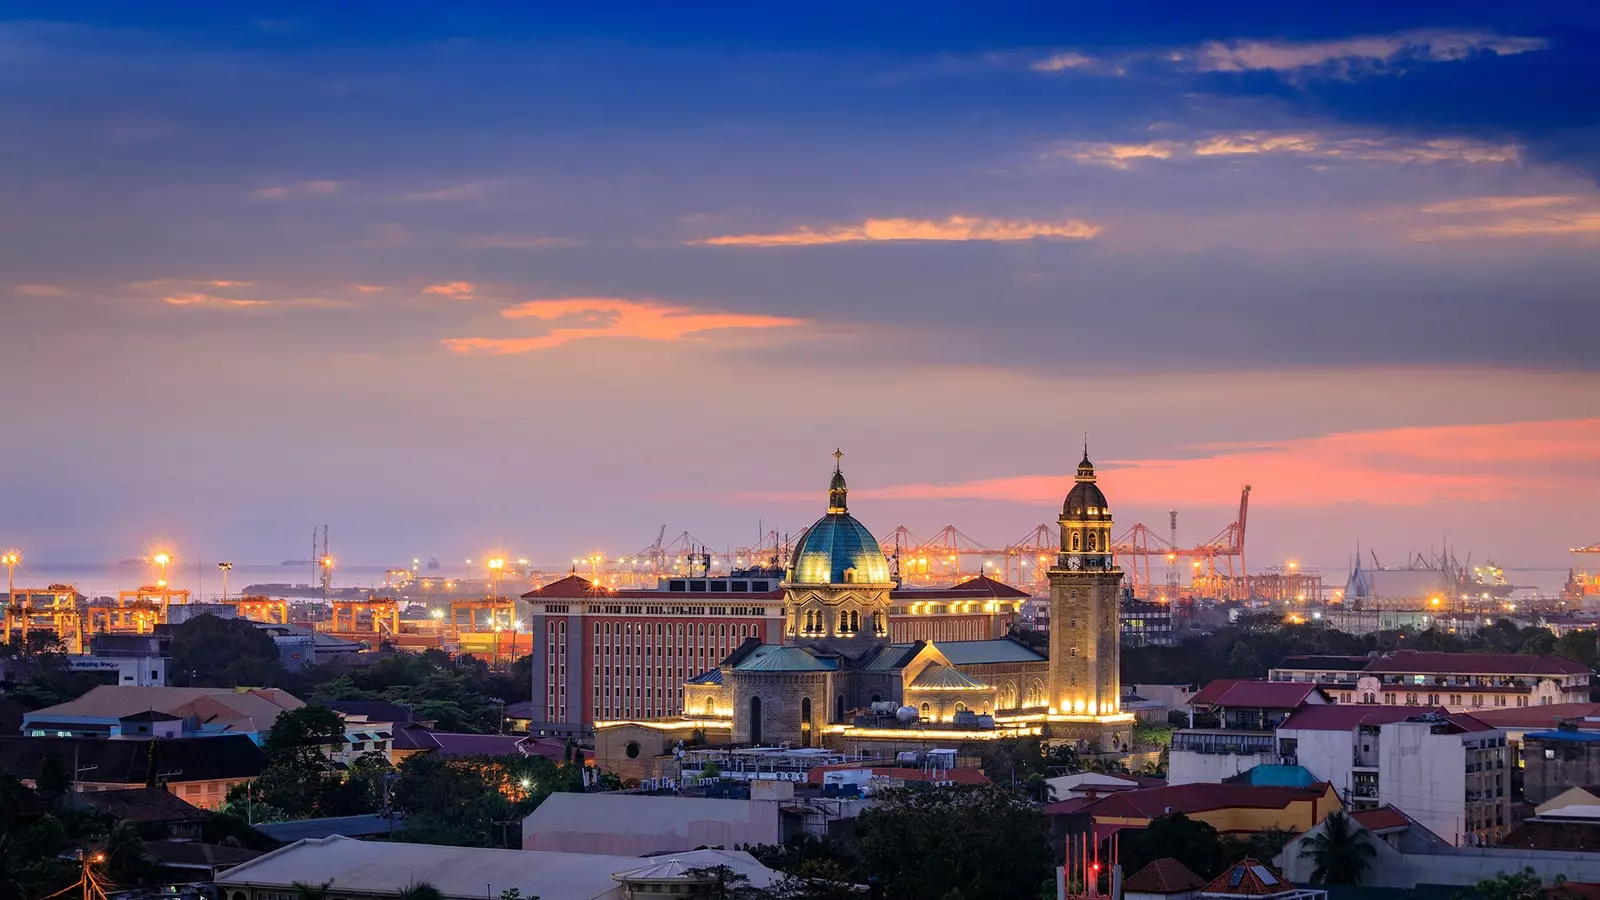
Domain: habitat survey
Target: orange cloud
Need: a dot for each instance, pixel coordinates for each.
(319, 188)
(457, 290)
(1500, 463)
(1307, 144)
(954, 228)
(1500, 217)
(40, 290)
(369, 288)
(212, 300)
(586, 318)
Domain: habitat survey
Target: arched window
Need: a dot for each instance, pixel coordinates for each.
(850, 576)
(960, 707)
(711, 706)
(1091, 540)
(1074, 540)
(926, 707)
(877, 623)
(838, 708)
(805, 721)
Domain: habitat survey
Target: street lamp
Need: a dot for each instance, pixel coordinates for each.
(226, 567)
(162, 560)
(12, 559)
(495, 565)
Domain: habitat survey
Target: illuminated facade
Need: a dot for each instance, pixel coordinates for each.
(838, 676)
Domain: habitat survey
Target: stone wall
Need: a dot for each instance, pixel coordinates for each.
(782, 698)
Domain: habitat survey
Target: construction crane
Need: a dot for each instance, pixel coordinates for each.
(1218, 564)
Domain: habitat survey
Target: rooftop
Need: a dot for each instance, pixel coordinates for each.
(1163, 876)
(1150, 803)
(1380, 819)
(1539, 716)
(1340, 717)
(972, 588)
(1575, 737)
(132, 762)
(780, 658)
(246, 711)
(462, 873)
(144, 806)
(576, 587)
(344, 826)
(973, 653)
(1248, 878)
(1241, 692)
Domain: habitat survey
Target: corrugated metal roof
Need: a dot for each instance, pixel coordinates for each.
(776, 658)
(712, 676)
(379, 868)
(223, 708)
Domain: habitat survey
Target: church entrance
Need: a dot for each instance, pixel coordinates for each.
(755, 720)
(805, 721)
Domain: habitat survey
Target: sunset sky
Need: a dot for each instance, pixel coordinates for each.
(458, 276)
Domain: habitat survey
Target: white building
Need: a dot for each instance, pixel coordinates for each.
(1449, 772)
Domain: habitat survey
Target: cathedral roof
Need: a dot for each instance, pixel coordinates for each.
(779, 658)
(712, 676)
(837, 549)
(975, 653)
(943, 678)
(1085, 494)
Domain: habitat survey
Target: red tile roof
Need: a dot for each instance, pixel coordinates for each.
(981, 586)
(1251, 878)
(1418, 662)
(1150, 803)
(1540, 716)
(1243, 692)
(1346, 717)
(1381, 818)
(144, 806)
(1068, 807)
(1163, 876)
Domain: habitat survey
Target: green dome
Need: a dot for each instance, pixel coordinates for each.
(837, 549)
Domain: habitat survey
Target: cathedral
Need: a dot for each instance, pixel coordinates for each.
(837, 680)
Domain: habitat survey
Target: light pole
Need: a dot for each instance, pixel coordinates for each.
(12, 559)
(327, 574)
(162, 560)
(495, 566)
(226, 567)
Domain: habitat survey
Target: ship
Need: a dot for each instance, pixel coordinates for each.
(433, 563)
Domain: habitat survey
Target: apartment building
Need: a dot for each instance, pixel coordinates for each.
(1460, 682)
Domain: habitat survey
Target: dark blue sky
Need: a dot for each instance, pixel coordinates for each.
(541, 277)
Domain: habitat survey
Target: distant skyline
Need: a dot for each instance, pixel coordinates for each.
(455, 277)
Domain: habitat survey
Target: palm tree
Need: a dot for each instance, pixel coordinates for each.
(304, 891)
(127, 859)
(1341, 851)
(420, 890)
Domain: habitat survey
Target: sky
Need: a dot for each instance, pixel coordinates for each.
(468, 276)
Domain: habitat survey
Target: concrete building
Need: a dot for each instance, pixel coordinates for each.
(1229, 808)
(1461, 682)
(1409, 855)
(201, 771)
(378, 870)
(1247, 711)
(1147, 623)
(1448, 771)
(1556, 761)
(643, 824)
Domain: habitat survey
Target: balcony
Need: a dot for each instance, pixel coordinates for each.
(1225, 742)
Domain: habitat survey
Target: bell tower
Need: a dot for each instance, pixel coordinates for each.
(1085, 619)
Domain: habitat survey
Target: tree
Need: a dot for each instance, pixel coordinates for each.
(1190, 841)
(217, 652)
(127, 859)
(54, 781)
(305, 891)
(1524, 885)
(991, 842)
(1341, 851)
(1580, 646)
(420, 890)
(307, 731)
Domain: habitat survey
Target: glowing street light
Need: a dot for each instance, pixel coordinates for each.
(12, 558)
(162, 560)
(226, 567)
(495, 565)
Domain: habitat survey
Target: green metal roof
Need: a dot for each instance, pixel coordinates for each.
(971, 653)
(775, 658)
